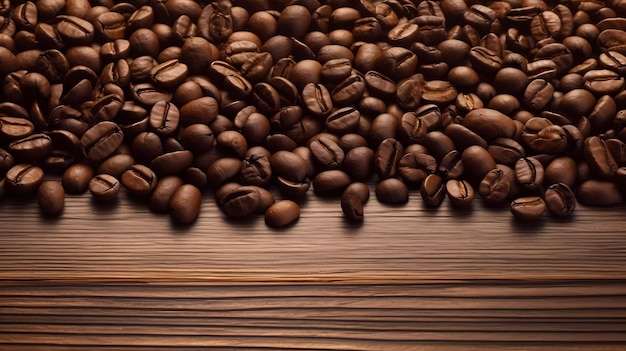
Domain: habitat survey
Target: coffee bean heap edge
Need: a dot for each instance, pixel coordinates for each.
(518, 102)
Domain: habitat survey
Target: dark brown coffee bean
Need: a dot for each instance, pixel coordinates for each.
(343, 120)
(489, 124)
(74, 30)
(603, 82)
(164, 117)
(560, 200)
(460, 193)
(116, 165)
(528, 208)
(538, 94)
(104, 188)
(327, 153)
(185, 204)
(484, 60)
(331, 182)
(317, 99)
(477, 162)
(288, 165)
(76, 178)
(388, 155)
(529, 173)
(352, 201)
(23, 178)
(359, 163)
(433, 190)
(240, 202)
(147, 94)
(51, 198)
(256, 170)
(170, 163)
(392, 191)
(282, 213)
(599, 158)
(506, 151)
(495, 187)
(223, 169)
(594, 192)
(139, 180)
(6, 161)
(13, 128)
(32, 147)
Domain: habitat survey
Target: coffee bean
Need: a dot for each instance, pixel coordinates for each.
(76, 178)
(528, 208)
(600, 159)
(330, 182)
(184, 206)
(529, 173)
(560, 200)
(51, 198)
(594, 192)
(160, 198)
(460, 193)
(352, 200)
(139, 180)
(23, 178)
(104, 188)
(392, 191)
(495, 187)
(240, 202)
(282, 213)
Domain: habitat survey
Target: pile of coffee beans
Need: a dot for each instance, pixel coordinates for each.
(520, 103)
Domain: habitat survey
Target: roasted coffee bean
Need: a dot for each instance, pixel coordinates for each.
(256, 170)
(560, 200)
(76, 178)
(477, 162)
(359, 163)
(240, 202)
(170, 163)
(392, 191)
(599, 158)
(197, 138)
(327, 153)
(433, 190)
(13, 128)
(116, 165)
(223, 169)
(104, 188)
(489, 124)
(594, 192)
(528, 208)
(184, 206)
(562, 169)
(139, 180)
(352, 200)
(23, 178)
(282, 213)
(30, 148)
(164, 117)
(288, 165)
(388, 155)
(343, 120)
(317, 99)
(506, 151)
(51, 198)
(460, 193)
(331, 182)
(529, 173)
(495, 187)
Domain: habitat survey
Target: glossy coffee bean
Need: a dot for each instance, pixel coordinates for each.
(51, 198)
(529, 173)
(433, 190)
(392, 191)
(240, 202)
(594, 192)
(330, 182)
(495, 187)
(23, 178)
(76, 178)
(560, 200)
(528, 208)
(139, 180)
(104, 188)
(352, 201)
(101, 140)
(184, 206)
(282, 213)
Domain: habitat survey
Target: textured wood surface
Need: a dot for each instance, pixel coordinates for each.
(122, 278)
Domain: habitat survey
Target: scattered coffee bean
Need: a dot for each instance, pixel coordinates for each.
(104, 188)
(51, 197)
(184, 206)
(282, 213)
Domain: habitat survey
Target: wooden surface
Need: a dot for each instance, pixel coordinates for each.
(122, 278)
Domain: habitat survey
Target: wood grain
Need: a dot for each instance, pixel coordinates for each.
(409, 278)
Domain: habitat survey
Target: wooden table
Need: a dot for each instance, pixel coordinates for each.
(122, 278)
